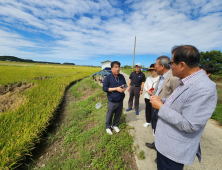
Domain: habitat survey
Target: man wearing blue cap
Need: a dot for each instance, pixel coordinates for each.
(135, 88)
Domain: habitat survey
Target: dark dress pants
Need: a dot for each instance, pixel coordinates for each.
(164, 163)
(134, 91)
(154, 118)
(148, 110)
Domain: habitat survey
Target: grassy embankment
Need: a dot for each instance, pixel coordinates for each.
(23, 122)
(217, 115)
(86, 145)
(129, 71)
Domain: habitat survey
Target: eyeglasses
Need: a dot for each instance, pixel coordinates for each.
(170, 63)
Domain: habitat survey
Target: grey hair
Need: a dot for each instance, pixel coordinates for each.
(164, 60)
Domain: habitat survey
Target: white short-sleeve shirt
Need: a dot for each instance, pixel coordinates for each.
(150, 82)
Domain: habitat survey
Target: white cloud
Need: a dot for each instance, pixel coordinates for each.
(83, 29)
(21, 16)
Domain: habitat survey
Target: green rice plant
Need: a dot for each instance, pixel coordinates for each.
(22, 126)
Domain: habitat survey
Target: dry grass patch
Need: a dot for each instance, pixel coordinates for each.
(219, 93)
(9, 101)
(9, 98)
(89, 125)
(42, 78)
(15, 88)
(87, 93)
(130, 160)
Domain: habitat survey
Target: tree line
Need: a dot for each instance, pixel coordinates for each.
(213, 57)
(17, 59)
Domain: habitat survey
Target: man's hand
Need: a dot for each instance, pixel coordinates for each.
(156, 102)
(156, 97)
(128, 88)
(140, 92)
(119, 89)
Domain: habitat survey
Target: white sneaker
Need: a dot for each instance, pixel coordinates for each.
(146, 124)
(115, 128)
(108, 130)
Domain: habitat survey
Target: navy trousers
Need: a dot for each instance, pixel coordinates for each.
(154, 118)
(164, 163)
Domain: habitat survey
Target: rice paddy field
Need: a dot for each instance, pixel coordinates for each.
(29, 96)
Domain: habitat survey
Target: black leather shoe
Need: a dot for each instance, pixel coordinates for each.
(150, 145)
(155, 160)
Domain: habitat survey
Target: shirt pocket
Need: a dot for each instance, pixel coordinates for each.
(179, 135)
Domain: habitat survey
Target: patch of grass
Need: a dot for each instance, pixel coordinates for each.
(147, 73)
(75, 92)
(84, 88)
(216, 78)
(217, 115)
(127, 71)
(93, 85)
(141, 155)
(219, 94)
(86, 142)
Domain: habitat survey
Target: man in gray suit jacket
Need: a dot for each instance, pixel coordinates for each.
(164, 87)
(183, 116)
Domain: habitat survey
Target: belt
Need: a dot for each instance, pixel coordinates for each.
(135, 86)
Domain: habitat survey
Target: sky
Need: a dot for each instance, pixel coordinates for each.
(87, 32)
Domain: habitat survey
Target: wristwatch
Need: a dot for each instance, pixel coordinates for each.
(141, 90)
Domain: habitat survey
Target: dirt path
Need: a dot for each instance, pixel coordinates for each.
(211, 140)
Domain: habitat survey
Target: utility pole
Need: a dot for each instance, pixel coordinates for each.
(134, 53)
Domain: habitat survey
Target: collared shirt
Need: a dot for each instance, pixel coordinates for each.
(162, 78)
(111, 81)
(137, 79)
(182, 82)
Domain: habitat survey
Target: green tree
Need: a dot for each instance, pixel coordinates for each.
(127, 67)
(213, 57)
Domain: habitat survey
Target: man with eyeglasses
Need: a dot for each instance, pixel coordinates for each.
(164, 87)
(183, 115)
(114, 85)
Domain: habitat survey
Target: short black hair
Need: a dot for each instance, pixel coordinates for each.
(164, 60)
(115, 62)
(186, 53)
(209, 68)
